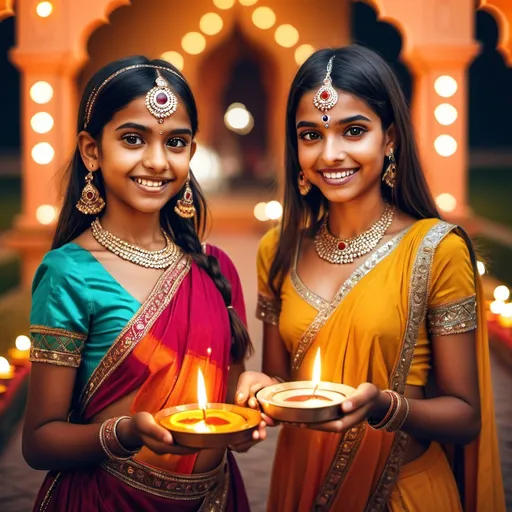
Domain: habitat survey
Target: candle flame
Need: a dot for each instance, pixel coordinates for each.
(202, 399)
(317, 369)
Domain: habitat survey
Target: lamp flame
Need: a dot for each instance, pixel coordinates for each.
(317, 371)
(202, 399)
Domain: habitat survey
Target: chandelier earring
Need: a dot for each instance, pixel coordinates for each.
(91, 202)
(304, 184)
(389, 176)
(185, 206)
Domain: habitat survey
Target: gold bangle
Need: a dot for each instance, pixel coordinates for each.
(389, 413)
(110, 442)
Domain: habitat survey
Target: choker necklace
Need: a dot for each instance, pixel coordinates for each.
(345, 250)
(160, 259)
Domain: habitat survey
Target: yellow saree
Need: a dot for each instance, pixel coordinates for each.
(377, 330)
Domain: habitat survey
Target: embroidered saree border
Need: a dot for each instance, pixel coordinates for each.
(453, 318)
(48, 496)
(137, 327)
(165, 484)
(418, 303)
(345, 454)
(324, 313)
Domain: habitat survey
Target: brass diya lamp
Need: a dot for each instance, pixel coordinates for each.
(311, 401)
(209, 425)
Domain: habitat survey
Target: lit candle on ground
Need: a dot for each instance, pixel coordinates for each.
(6, 370)
(21, 353)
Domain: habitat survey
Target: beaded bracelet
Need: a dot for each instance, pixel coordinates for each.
(110, 443)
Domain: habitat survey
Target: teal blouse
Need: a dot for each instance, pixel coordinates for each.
(78, 310)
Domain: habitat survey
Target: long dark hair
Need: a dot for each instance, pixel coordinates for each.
(187, 233)
(362, 73)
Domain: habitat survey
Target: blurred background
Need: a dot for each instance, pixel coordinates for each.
(453, 59)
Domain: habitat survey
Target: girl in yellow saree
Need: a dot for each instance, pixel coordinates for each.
(363, 268)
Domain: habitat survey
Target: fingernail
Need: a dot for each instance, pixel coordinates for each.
(167, 438)
(240, 397)
(347, 406)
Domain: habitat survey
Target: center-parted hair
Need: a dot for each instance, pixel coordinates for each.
(363, 73)
(116, 94)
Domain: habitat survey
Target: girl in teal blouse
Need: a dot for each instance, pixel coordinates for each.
(126, 305)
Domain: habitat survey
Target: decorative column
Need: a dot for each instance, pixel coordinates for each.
(441, 121)
(50, 50)
(438, 46)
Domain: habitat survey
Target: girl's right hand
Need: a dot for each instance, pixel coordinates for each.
(249, 384)
(142, 429)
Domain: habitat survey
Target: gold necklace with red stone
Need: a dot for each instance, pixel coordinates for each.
(345, 250)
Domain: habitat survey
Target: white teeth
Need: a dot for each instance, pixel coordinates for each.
(338, 175)
(149, 183)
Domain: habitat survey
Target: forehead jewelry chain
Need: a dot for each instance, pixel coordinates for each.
(345, 250)
(326, 96)
(160, 259)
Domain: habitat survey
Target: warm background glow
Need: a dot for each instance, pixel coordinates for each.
(264, 17)
(211, 23)
(193, 43)
(286, 35)
(445, 86)
(41, 92)
(174, 58)
(43, 153)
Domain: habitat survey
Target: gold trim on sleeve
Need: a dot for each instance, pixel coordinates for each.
(56, 346)
(267, 310)
(453, 318)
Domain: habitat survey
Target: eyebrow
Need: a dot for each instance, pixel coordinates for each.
(351, 119)
(144, 128)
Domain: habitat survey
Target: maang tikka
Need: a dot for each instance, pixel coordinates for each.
(160, 100)
(326, 97)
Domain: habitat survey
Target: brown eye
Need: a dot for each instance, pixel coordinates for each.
(355, 131)
(309, 136)
(132, 140)
(177, 142)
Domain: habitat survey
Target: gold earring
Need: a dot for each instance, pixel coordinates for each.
(304, 184)
(389, 176)
(91, 202)
(185, 206)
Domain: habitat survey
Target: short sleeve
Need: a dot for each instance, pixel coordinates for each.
(452, 300)
(60, 314)
(268, 307)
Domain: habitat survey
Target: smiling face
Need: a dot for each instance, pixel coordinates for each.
(143, 163)
(344, 160)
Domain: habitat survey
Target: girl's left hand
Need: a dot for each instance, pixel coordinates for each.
(365, 402)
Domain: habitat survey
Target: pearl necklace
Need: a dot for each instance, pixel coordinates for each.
(345, 250)
(160, 259)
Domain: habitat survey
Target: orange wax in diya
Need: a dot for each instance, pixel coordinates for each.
(217, 421)
(305, 398)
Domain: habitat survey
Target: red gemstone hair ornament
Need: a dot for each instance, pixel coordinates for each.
(160, 100)
(326, 97)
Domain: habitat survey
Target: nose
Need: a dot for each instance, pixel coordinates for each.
(155, 158)
(333, 151)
